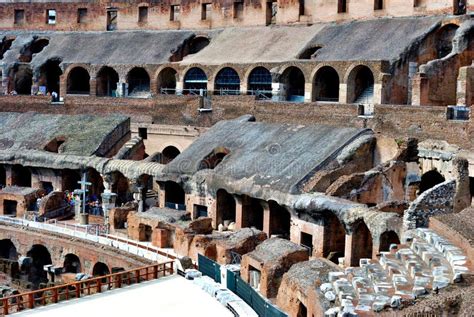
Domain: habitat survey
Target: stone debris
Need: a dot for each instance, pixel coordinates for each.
(426, 263)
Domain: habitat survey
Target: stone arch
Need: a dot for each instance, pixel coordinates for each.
(106, 82)
(326, 84)
(168, 154)
(167, 80)
(214, 158)
(227, 81)
(386, 239)
(334, 237)
(32, 48)
(280, 220)
(40, 256)
(8, 250)
(21, 176)
(121, 187)
(78, 81)
(174, 194)
(429, 180)
(259, 79)
(195, 79)
(50, 73)
(361, 243)
(100, 269)
(225, 207)
(138, 81)
(97, 187)
(72, 264)
(444, 39)
(294, 80)
(360, 84)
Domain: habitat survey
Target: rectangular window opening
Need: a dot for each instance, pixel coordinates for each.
(378, 4)
(342, 6)
(81, 15)
(143, 14)
(19, 17)
(112, 20)
(174, 13)
(51, 16)
(238, 10)
(143, 133)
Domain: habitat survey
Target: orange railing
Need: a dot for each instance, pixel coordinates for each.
(45, 296)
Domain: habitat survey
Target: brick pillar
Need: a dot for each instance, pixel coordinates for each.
(278, 91)
(92, 87)
(318, 240)
(348, 250)
(243, 88)
(154, 87)
(161, 195)
(238, 212)
(266, 218)
(308, 92)
(179, 87)
(343, 93)
(420, 90)
(465, 86)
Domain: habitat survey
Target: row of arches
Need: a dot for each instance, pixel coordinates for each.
(40, 256)
(326, 81)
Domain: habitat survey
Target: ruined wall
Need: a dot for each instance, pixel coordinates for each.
(221, 13)
(435, 201)
(58, 246)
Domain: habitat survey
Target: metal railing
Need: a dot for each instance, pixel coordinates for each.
(30, 300)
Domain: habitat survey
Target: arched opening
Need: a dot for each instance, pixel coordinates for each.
(197, 44)
(174, 196)
(8, 250)
(71, 264)
(280, 220)
(23, 79)
(361, 85)
(214, 158)
(107, 79)
(167, 81)
(50, 73)
(138, 82)
(54, 145)
(386, 239)
(294, 81)
(144, 233)
(121, 187)
(309, 53)
(444, 40)
(169, 153)
(3, 177)
(100, 269)
(429, 180)
(40, 257)
(225, 207)
(32, 48)
(5, 46)
(21, 176)
(361, 246)
(252, 213)
(97, 187)
(195, 81)
(260, 82)
(78, 82)
(326, 85)
(227, 82)
(334, 241)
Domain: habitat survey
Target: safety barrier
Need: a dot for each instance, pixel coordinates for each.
(30, 300)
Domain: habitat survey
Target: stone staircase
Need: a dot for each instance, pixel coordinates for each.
(426, 263)
(367, 96)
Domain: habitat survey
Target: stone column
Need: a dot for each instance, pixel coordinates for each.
(348, 250)
(161, 195)
(92, 87)
(266, 218)
(462, 195)
(318, 239)
(343, 93)
(420, 90)
(465, 86)
(308, 92)
(179, 88)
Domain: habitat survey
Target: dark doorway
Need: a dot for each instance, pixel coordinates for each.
(47, 186)
(362, 85)
(225, 207)
(40, 257)
(280, 220)
(70, 180)
(23, 79)
(306, 240)
(227, 82)
(138, 81)
(326, 85)
(294, 81)
(260, 82)
(302, 310)
(361, 243)
(252, 213)
(107, 79)
(71, 264)
(386, 239)
(100, 269)
(167, 81)
(200, 211)
(334, 241)
(21, 176)
(8, 250)
(144, 233)
(3, 177)
(169, 153)
(174, 196)
(50, 74)
(429, 180)
(9, 207)
(195, 81)
(78, 82)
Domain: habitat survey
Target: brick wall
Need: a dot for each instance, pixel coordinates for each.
(390, 120)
